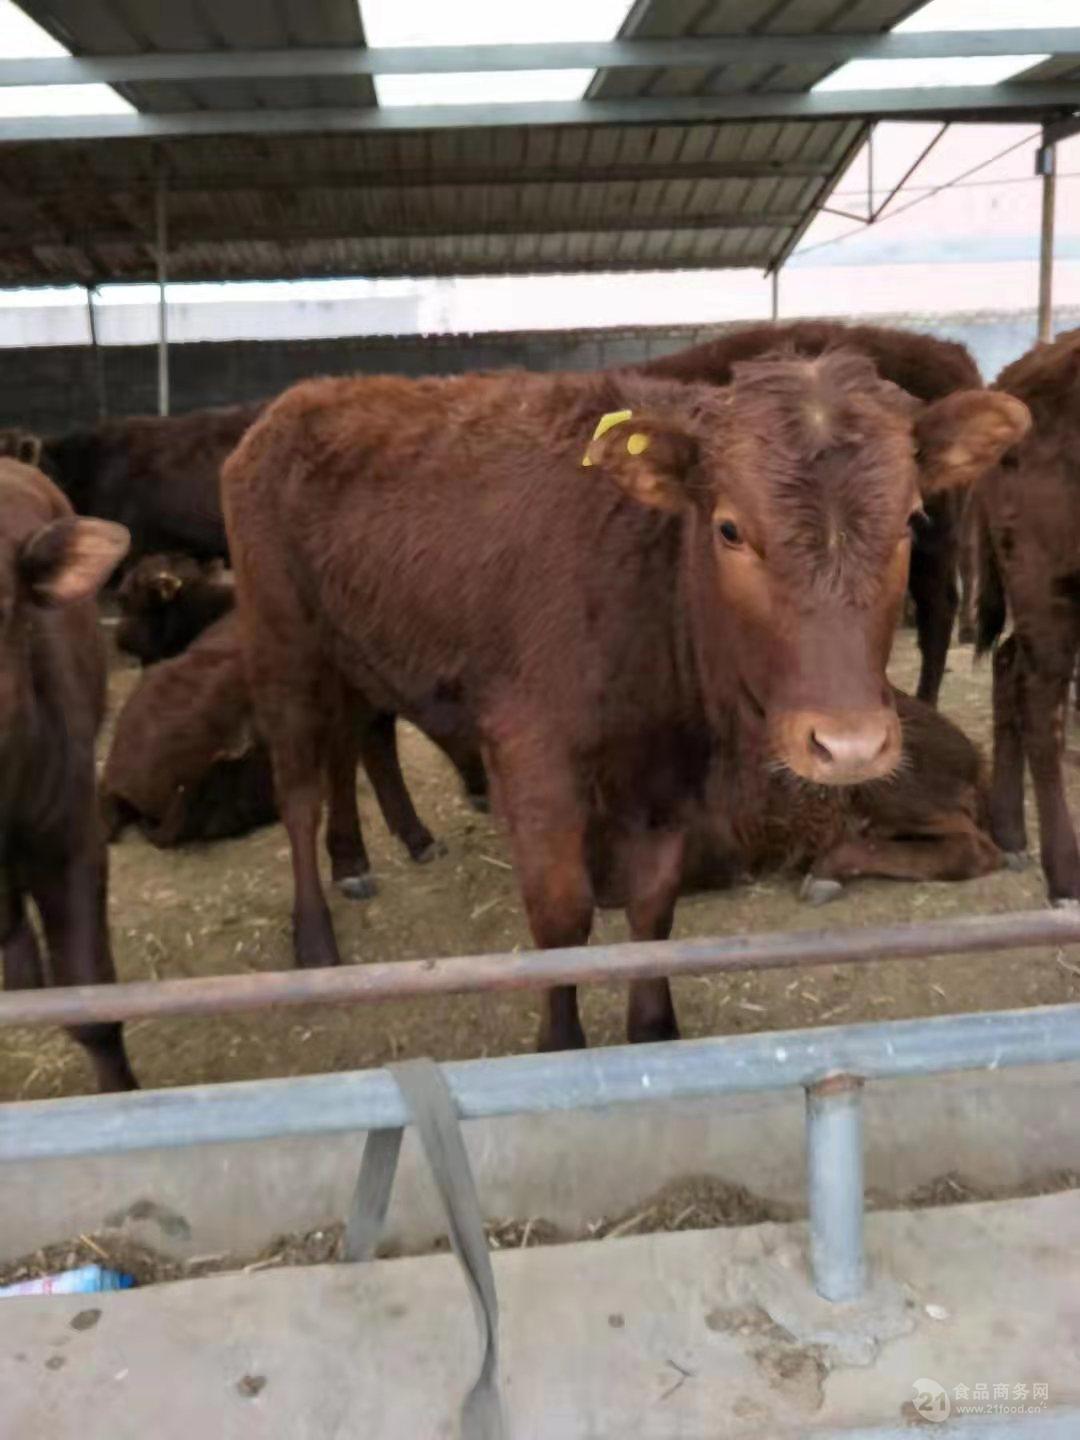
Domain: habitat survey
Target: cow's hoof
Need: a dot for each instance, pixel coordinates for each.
(1017, 860)
(1065, 902)
(358, 887)
(817, 891)
(425, 854)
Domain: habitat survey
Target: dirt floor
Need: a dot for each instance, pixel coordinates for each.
(225, 908)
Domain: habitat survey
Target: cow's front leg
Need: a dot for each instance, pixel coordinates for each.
(73, 908)
(1044, 701)
(652, 860)
(535, 793)
(1007, 823)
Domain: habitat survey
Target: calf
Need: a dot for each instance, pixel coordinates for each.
(187, 764)
(922, 365)
(156, 474)
(52, 695)
(715, 593)
(930, 821)
(1029, 552)
(166, 601)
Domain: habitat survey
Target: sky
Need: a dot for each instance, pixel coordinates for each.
(990, 221)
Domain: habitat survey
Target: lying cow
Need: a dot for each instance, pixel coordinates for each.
(167, 601)
(52, 696)
(922, 365)
(1029, 551)
(155, 474)
(719, 587)
(187, 764)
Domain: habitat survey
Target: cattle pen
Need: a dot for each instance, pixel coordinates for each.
(845, 1203)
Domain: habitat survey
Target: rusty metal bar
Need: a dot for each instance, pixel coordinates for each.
(535, 969)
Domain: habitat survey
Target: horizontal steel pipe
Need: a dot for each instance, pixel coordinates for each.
(536, 1084)
(534, 969)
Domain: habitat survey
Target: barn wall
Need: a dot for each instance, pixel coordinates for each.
(52, 389)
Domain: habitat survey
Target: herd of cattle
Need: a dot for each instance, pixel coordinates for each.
(645, 612)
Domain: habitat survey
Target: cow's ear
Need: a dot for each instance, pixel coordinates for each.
(71, 559)
(28, 449)
(962, 436)
(651, 460)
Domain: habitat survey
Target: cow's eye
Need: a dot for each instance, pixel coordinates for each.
(729, 532)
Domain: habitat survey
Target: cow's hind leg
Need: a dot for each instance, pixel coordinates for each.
(378, 749)
(963, 854)
(72, 903)
(652, 861)
(350, 867)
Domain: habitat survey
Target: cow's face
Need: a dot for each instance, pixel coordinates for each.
(803, 481)
(61, 563)
(163, 601)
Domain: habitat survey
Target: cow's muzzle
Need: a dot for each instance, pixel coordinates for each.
(838, 747)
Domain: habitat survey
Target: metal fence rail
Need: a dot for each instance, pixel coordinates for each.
(830, 1064)
(536, 969)
(534, 1084)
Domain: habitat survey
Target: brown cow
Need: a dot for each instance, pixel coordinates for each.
(166, 601)
(156, 474)
(1029, 547)
(52, 695)
(187, 764)
(924, 366)
(721, 586)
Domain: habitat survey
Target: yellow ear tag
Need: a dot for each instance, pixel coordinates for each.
(605, 423)
(637, 444)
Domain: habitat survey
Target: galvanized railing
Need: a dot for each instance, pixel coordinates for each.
(831, 1064)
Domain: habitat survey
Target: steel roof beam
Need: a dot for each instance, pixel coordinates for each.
(986, 102)
(516, 174)
(426, 228)
(697, 51)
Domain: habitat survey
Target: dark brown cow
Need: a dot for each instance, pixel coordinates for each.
(52, 694)
(925, 367)
(1029, 548)
(719, 588)
(187, 764)
(156, 474)
(166, 601)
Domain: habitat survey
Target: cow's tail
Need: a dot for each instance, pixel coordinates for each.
(990, 607)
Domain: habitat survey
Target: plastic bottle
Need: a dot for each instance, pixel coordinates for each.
(86, 1280)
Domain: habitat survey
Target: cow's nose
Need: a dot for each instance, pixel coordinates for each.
(841, 748)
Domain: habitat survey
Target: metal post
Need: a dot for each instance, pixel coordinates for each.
(1046, 166)
(870, 177)
(162, 240)
(97, 357)
(776, 293)
(834, 1163)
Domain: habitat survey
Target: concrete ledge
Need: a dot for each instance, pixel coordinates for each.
(1002, 1131)
(696, 1336)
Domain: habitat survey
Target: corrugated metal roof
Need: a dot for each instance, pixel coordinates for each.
(508, 199)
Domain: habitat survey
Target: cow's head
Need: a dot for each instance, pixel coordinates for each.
(166, 601)
(801, 483)
(44, 566)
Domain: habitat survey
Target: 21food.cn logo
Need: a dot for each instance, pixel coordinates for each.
(931, 1401)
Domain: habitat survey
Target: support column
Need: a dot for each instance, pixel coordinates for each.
(834, 1164)
(776, 293)
(1046, 166)
(161, 245)
(97, 359)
